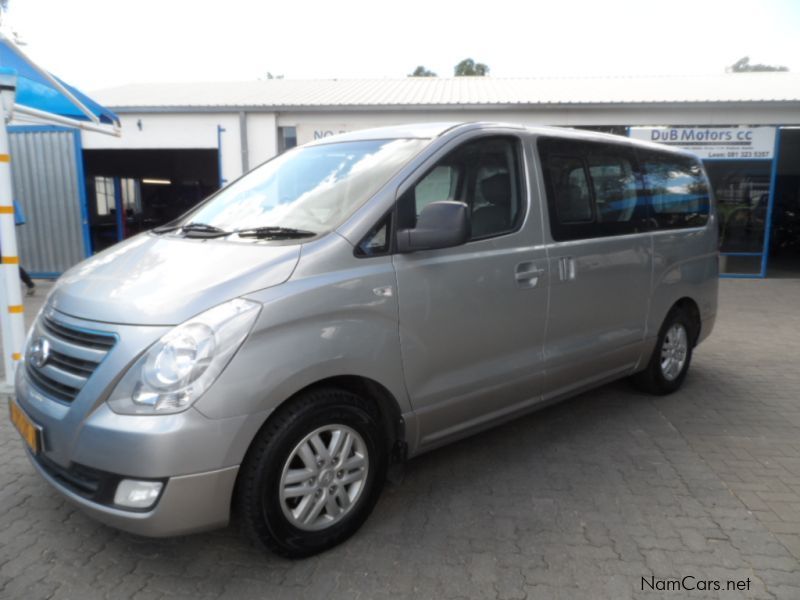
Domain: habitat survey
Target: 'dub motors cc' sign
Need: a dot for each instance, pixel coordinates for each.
(730, 143)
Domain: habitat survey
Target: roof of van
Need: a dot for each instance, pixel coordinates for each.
(454, 92)
(411, 130)
(432, 130)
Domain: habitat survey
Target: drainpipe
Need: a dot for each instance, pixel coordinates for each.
(243, 141)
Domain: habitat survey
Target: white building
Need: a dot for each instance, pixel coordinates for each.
(182, 140)
(257, 115)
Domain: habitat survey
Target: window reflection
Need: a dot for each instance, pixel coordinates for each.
(313, 188)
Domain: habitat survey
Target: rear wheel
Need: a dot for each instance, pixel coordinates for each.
(671, 357)
(313, 474)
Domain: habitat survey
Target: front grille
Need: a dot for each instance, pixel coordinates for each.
(51, 387)
(72, 358)
(89, 339)
(70, 363)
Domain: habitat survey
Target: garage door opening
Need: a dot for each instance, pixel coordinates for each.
(130, 191)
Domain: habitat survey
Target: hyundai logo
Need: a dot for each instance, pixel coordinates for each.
(40, 352)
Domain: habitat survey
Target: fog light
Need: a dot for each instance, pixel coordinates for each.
(137, 494)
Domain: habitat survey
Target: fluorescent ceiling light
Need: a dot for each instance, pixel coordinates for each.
(157, 181)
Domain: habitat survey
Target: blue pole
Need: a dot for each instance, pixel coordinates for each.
(120, 209)
(773, 181)
(83, 196)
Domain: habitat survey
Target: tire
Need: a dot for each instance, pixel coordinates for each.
(270, 494)
(676, 336)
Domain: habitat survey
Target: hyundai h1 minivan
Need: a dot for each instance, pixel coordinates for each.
(357, 301)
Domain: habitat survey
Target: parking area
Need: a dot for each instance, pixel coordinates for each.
(613, 494)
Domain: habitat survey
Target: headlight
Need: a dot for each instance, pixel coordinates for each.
(183, 364)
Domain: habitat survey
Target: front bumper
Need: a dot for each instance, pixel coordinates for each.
(188, 504)
(86, 448)
(196, 458)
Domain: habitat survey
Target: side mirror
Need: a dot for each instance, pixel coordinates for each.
(439, 225)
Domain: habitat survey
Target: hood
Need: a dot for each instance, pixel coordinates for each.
(164, 280)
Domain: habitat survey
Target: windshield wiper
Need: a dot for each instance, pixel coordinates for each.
(275, 233)
(203, 230)
(165, 228)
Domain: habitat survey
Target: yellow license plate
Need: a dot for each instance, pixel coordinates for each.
(30, 432)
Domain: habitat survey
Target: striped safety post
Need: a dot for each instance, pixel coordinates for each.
(13, 322)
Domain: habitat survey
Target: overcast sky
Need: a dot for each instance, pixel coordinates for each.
(94, 44)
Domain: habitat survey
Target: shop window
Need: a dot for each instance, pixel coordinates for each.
(287, 138)
(741, 191)
(104, 195)
(131, 196)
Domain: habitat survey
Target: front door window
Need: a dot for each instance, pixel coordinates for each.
(485, 175)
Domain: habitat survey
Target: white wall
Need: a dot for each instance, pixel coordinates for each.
(175, 131)
(199, 130)
(165, 130)
(262, 137)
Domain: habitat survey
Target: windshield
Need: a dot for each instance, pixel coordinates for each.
(311, 189)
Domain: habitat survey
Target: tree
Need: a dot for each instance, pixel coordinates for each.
(743, 66)
(421, 71)
(469, 68)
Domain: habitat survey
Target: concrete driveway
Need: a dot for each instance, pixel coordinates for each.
(612, 494)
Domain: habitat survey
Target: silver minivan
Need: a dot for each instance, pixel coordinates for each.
(355, 302)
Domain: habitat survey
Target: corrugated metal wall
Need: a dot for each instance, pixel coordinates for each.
(46, 179)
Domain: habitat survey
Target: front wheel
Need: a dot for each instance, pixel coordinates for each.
(671, 357)
(313, 474)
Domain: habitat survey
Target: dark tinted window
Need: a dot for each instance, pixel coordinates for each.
(615, 186)
(571, 188)
(677, 190)
(593, 189)
(484, 174)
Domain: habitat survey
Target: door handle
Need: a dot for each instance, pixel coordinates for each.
(566, 268)
(527, 274)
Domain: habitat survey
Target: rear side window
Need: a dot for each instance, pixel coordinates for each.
(677, 190)
(616, 190)
(593, 189)
(571, 189)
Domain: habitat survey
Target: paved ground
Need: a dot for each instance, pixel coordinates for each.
(581, 500)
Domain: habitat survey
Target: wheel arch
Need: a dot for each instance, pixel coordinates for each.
(387, 408)
(691, 308)
(386, 405)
